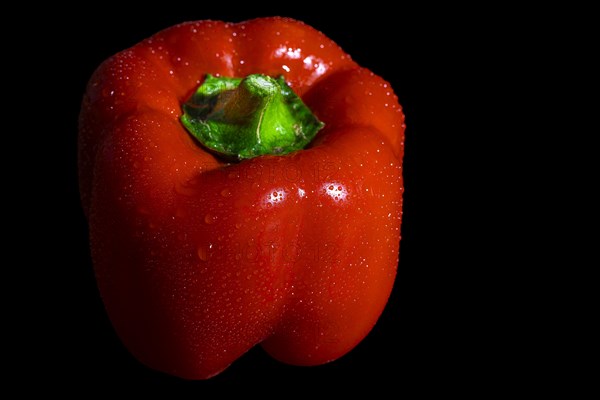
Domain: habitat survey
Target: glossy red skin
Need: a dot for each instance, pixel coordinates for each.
(198, 260)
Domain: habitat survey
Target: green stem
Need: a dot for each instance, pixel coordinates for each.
(249, 117)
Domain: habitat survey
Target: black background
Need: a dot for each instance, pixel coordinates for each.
(434, 331)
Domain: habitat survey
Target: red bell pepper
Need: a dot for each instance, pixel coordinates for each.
(222, 213)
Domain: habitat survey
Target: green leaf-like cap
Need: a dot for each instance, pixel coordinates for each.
(250, 117)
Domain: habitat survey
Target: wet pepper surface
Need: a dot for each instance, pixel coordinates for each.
(200, 257)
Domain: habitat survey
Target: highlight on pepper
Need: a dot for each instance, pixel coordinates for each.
(243, 186)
